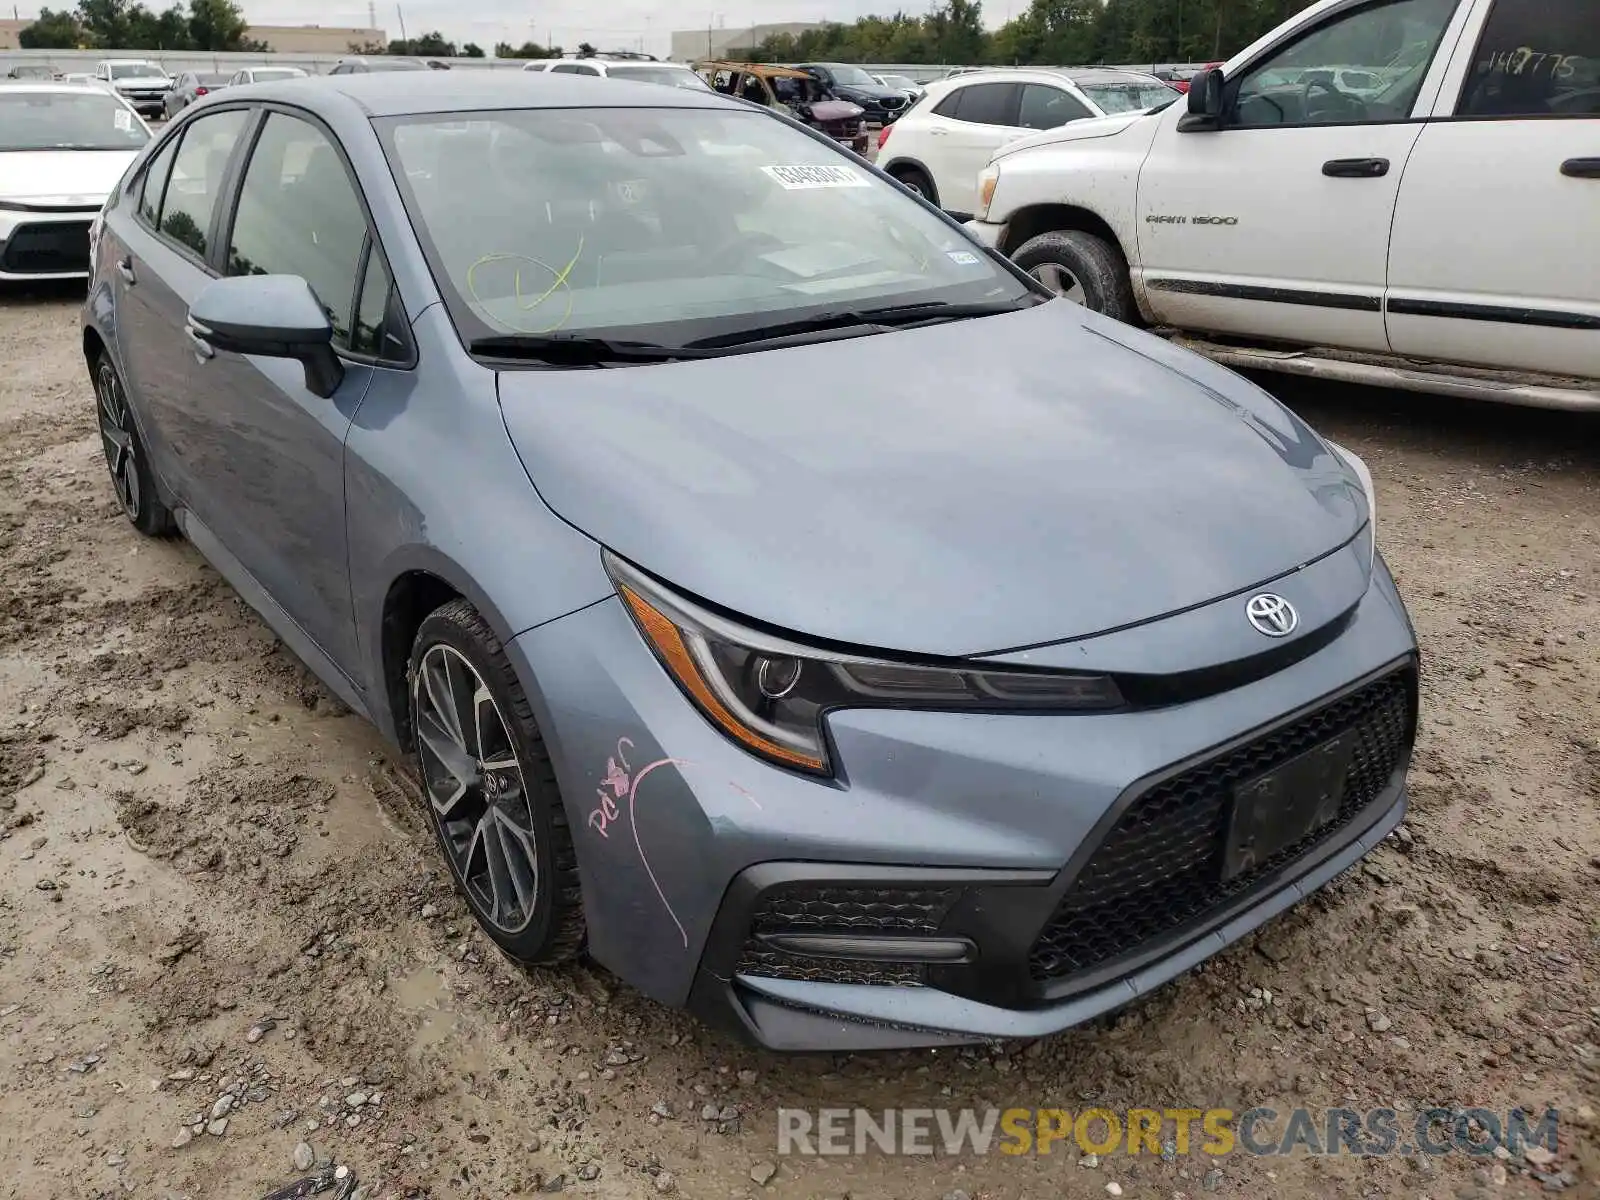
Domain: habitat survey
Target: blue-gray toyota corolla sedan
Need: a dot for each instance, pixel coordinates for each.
(785, 600)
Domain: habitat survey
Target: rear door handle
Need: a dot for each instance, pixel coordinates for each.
(125, 269)
(1356, 168)
(1582, 168)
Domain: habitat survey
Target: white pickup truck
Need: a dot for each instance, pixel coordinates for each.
(1436, 228)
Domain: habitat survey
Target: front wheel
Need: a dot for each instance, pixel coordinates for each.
(491, 789)
(1083, 268)
(916, 181)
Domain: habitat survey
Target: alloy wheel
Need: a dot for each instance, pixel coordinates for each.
(1060, 280)
(475, 788)
(117, 440)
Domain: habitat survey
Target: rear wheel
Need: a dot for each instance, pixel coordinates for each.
(1083, 268)
(491, 789)
(917, 181)
(131, 477)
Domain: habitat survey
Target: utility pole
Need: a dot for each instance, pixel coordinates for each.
(401, 13)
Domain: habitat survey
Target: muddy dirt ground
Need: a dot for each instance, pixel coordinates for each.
(218, 912)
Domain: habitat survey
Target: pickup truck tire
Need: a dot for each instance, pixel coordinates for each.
(1071, 256)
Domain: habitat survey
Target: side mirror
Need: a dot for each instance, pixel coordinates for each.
(1204, 102)
(275, 316)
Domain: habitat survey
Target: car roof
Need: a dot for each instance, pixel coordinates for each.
(396, 94)
(127, 62)
(58, 85)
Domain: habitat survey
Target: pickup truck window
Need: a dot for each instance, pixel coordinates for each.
(1536, 59)
(1361, 66)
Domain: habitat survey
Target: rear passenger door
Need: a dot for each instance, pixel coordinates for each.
(272, 482)
(977, 120)
(163, 264)
(1495, 255)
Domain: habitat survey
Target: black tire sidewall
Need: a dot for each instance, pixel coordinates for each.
(1098, 266)
(916, 179)
(154, 518)
(454, 626)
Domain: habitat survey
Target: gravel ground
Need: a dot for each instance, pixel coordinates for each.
(229, 956)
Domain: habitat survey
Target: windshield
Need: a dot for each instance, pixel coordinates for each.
(396, 64)
(1128, 97)
(670, 76)
(68, 121)
(268, 74)
(665, 225)
(212, 80)
(136, 71)
(898, 81)
(852, 77)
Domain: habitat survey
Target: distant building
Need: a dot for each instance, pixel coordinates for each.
(314, 39)
(9, 31)
(691, 44)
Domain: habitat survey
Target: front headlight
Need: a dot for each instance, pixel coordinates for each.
(770, 695)
(1353, 460)
(988, 180)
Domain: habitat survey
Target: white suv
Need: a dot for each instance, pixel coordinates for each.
(938, 147)
(1439, 233)
(647, 70)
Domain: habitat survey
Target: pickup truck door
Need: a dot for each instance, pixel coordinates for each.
(1276, 225)
(1495, 256)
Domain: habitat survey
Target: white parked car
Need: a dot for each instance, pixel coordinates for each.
(640, 70)
(264, 75)
(63, 147)
(141, 83)
(1441, 234)
(938, 148)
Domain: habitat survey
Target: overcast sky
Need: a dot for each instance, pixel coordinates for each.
(620, 25)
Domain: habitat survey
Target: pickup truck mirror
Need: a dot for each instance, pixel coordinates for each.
(1205, 103)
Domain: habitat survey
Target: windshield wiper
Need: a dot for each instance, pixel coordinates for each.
(572, 350)
(854, 321)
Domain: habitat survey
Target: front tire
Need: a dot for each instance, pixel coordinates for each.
(491, 790)
(126, 460)
(1083, 268)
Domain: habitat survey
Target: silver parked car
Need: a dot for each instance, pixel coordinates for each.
(1005, 669)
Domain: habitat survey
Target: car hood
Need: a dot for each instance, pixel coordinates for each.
(872, 91)
(953, 490)
(62, 176)
(1073, 131)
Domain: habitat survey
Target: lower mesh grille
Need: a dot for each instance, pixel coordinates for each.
(1159, 868)
(47, 248)
(864, 911)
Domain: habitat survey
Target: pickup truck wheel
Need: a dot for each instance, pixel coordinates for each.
(1085, 269)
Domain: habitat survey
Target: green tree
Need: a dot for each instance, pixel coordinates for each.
(526, 50)
(217, 25)
(585, 50)
(430, 45)
(472, 50)
(52, 31)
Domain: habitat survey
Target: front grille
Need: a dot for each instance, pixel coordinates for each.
(1159, 868)
(825, 908)
(47, 248)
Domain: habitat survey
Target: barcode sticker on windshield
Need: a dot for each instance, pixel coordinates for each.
(965, 258)
(122, 119)
(799, 179)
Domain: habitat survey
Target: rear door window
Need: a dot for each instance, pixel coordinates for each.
(1045, 107)
(989, 104)
(1536, 58)
(191, 194)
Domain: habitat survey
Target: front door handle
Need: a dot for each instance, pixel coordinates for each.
(1582, 168)
(937, 132)
(1356, 168)
(197, 342)
(125, 269)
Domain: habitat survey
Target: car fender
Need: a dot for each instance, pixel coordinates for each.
(1098, 176)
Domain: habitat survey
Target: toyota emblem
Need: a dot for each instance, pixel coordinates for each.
(1272, 615)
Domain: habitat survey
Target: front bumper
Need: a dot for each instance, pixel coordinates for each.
(998, 845)
(990, 235)
(45, 245)
(147, 104)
